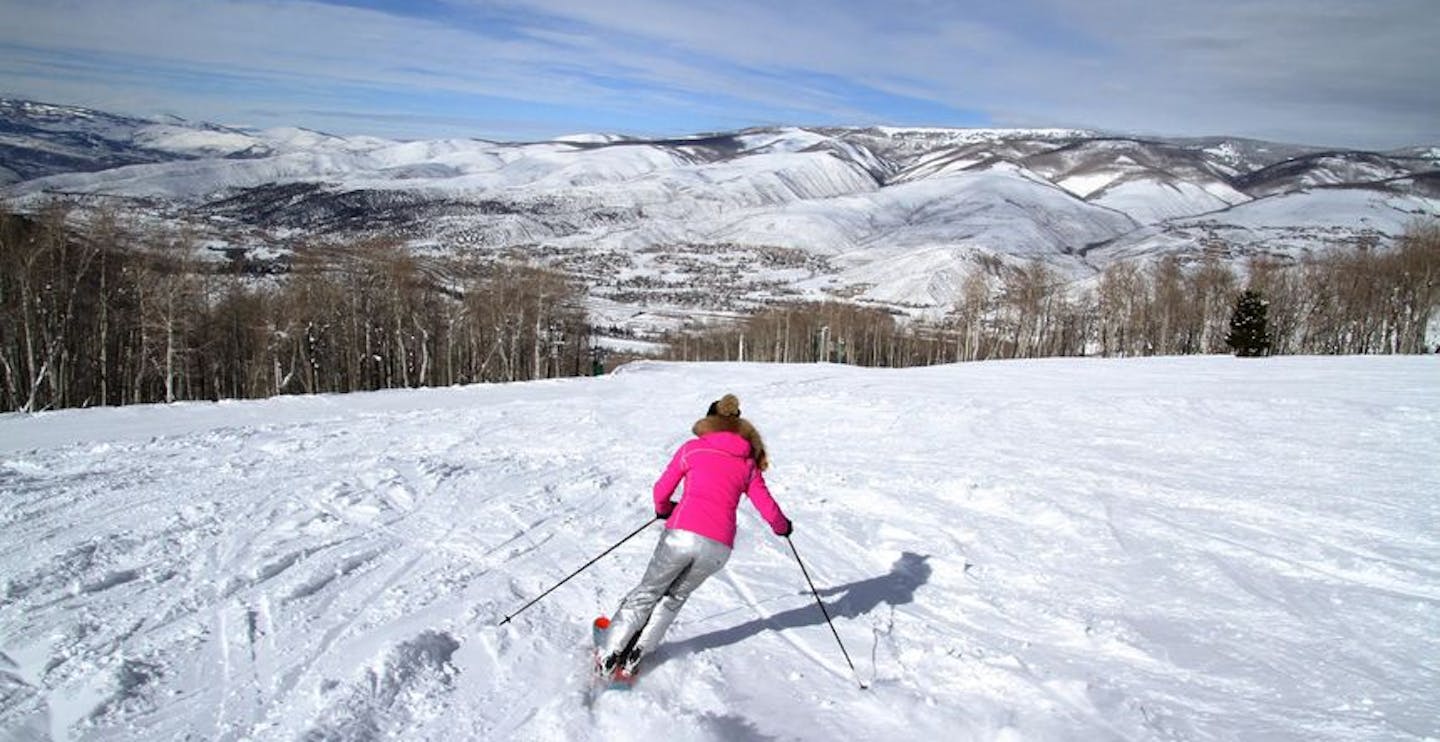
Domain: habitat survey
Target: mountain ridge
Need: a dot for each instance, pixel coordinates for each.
(885, 210)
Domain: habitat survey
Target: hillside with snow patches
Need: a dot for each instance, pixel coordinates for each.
(1199, 548)
(883, 215)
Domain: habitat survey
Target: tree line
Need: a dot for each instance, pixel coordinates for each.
(93, 312)
(98, 314)
(1360, 299)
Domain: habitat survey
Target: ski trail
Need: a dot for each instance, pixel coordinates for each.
(1110, 551)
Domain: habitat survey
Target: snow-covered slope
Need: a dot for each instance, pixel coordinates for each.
(1150, 181)
(912, 243)
(1326, 169)
(1286, 226)
(1205, 548)
(37, 139)
(40, 139)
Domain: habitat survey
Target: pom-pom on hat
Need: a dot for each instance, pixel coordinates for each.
(726, 406)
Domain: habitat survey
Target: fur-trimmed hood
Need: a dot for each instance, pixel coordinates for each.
(740, 426)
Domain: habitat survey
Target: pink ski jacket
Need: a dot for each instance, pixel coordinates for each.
(717, 469)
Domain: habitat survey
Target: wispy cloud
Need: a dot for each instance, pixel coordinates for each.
(1321, 71)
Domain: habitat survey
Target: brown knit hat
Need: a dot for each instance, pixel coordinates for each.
(728, 406)
(724, 414)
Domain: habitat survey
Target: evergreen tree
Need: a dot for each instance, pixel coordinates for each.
(1249, 335)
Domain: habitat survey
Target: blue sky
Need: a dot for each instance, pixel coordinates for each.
(1361, 74)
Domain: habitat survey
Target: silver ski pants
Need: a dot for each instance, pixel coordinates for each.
(682, 560)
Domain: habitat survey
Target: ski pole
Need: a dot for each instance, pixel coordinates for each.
(633, 534)
(824, 612)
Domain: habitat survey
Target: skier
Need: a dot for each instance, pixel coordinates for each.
(725, 460)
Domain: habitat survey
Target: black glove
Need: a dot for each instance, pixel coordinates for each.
(786, 530)
(661, 513)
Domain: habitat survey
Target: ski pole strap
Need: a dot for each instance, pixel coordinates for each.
(633, 534)
(824, 612)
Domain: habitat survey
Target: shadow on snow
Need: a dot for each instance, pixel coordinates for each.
(897, 587)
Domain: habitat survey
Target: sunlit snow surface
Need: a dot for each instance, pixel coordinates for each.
(1200, 548)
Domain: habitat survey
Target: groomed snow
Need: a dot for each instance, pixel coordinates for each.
(1200, 548)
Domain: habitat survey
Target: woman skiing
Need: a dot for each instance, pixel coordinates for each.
(725, 460)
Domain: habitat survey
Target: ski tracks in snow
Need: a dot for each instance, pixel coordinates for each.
(281, 549)
(1163, 549)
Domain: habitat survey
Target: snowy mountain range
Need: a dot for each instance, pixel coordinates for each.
(892, 216)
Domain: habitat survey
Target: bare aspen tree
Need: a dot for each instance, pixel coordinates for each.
(1122, 294)
(1417, 276)
(972, 312)
(1168, 300)
(52, 270)
(105, 232)
(1028, 294)
(16, 236)
(174, 297)
(1213, 286)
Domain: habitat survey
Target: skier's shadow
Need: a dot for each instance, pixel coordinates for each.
(856, 599)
